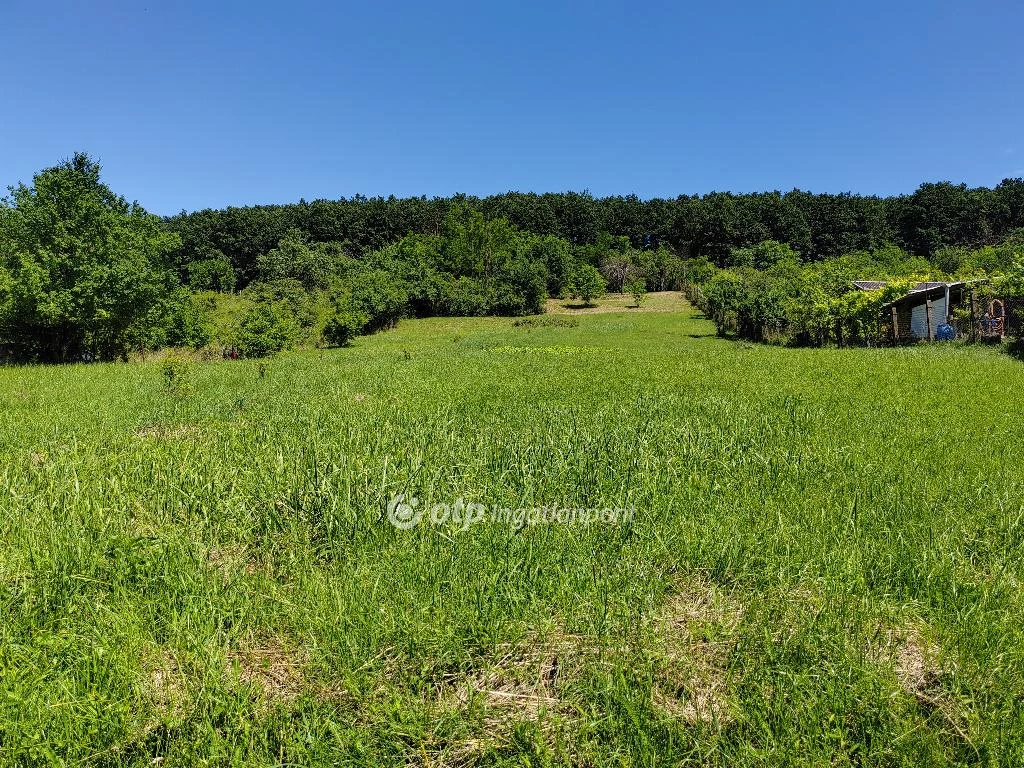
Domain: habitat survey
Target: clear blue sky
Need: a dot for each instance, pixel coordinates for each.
(207, 104)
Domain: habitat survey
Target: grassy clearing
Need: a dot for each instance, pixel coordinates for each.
(656, 301)
(824, 565)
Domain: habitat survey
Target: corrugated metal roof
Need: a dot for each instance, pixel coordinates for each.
(926, 287)
(869, 285)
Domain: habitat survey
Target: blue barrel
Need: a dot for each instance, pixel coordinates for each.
(945, 332)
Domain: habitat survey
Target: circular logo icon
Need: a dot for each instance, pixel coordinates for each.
(404, 514)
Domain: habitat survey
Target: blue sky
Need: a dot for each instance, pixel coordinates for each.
(190, 105)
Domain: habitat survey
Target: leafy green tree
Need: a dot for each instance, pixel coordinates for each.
(457, 296)
(1012, 283)
(214, 273)
(556, 256)
(661, 269)
(519, 286)
(81, 270)
(266, 329)
(343, 326)
(636, 288)
(764, 255)
(587, 284)
(295, 258)
(377, 295)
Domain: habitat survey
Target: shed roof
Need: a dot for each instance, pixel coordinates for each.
(922, 291)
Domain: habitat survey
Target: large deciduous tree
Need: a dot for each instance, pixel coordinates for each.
(82, 272)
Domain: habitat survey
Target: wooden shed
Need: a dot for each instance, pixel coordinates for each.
(919, 314)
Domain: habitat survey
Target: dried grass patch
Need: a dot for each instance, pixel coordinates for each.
(270, 668)
(165, 684)
(692, 637)
(654, 301)
(915, 661)
(231, 559)
(524, 684)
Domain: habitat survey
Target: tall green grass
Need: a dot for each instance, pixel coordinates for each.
(823, 568)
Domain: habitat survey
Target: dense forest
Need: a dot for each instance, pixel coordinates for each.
(84, 275)
(818, 226)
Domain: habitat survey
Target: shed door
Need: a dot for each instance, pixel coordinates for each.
(919, 322)
(919, 317)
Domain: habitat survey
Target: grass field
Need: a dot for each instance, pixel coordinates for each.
(823, 566)
(656, 301)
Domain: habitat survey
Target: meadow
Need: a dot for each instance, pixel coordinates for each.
(823, 565)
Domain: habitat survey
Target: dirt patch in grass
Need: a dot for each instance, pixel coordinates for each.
(916, 667)
(692, 637)
(521, 683)
(913, 658)
(916, 663)
(229, 560)
(269, 667)
(165, 684)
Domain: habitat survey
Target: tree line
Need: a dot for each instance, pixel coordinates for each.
(712, 226)
(85, 275)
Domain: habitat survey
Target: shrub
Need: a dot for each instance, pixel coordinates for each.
(546, 321)
(457, 297)
(587, 284)
(187, 323)
(379, 296)
(214, 273)
(177, 375)
(343, 326)
(636, 288)
(266, 329)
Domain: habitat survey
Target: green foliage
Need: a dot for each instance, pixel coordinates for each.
(557, 258)
(186, 322)
(177, 375)
(712, 226)
(267, 328)
(636, 288)
(214, 273)
(81, 270)
(764, 255)
(379, 297)
(1012, 284)
(586, 284)
(456, 296)
(660, 268)
(473, 267)
(814, 304)
(314, 265)
(85, 276)
(546, 321)
(305, 308)
(343, 326)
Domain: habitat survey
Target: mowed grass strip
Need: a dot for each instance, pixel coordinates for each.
(823, 565)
